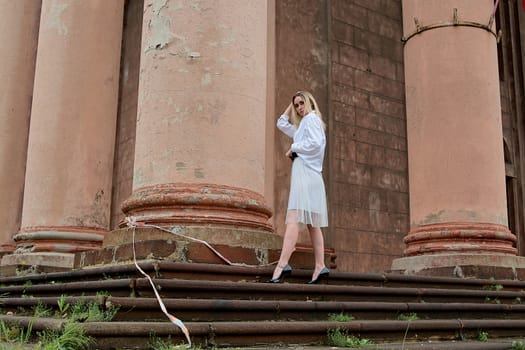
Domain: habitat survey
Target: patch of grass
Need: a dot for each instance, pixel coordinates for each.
(84, 311)
(63, 306)
(71, 337)
(493, 301)
(483, 336)
(159, 344)
(15, 333)
(41, 310)
(103, 293)
(408, 317)
(28, 283)
(339, 338)
(494, 287)
(518, 345)
(341, 317)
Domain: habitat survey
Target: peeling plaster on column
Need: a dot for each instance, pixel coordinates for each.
(180, 115)
(468, 215)
(138, 178)
(180, 166)
(54, 21)
(199, 173)
(206, 79)
(158, 5)
(196, 6)
(160, 27)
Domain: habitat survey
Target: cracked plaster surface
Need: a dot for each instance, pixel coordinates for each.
(54, 20)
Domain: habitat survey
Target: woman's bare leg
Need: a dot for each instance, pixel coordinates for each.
(316, 235)
(289, 240)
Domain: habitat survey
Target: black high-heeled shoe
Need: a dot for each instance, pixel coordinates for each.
(322, 275)
(287, 269)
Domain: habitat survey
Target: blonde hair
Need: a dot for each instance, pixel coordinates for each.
(310, 104)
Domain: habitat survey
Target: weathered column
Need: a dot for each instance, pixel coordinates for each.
(200, 145)
(72, 132)
(455, 145)
(18, 35)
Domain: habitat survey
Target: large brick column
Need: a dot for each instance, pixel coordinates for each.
(18, 35)
(200, 148)
(455, 146)
(72, 132)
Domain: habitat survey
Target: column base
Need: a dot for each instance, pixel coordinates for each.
(460, 237)
(182, 204)
(60, 239)
(253, 247)
(239, 246)
(484, 266)
(33, 263)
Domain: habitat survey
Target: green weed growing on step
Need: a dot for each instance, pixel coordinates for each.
(495, 287)
(518, 345)
(15, 333)
(28, 283)
(339, 338)
(483, 336)
(71, 337)
(41, 310)
(63, 306)
(84, 311)
(158, 344)
(341, 317)
(493, 301)
(408, 317)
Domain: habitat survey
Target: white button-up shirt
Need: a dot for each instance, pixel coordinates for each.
(309, 140)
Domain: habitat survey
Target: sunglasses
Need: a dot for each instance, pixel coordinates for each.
(296, 105)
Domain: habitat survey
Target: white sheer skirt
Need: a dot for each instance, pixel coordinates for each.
(307, 201)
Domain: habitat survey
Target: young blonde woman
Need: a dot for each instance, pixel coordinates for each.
(302, 121)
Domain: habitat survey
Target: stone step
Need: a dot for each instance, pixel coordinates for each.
(230, 306)
(222, 272)
(208, 310)
(178, 288)
(138, 335)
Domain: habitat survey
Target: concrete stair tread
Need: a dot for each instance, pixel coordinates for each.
(167, 269)
(249, 333)
(236, 308)
(205, 310)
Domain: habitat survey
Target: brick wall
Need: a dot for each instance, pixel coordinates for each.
(301, 64)
(127, 112)
(368, 179)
